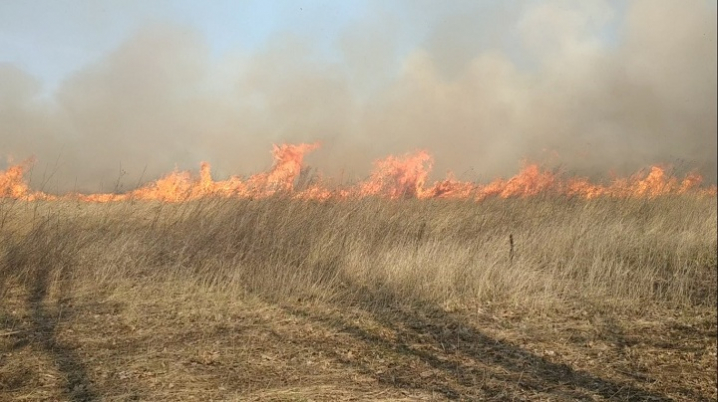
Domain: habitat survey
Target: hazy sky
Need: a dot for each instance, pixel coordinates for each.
(595, 86)
(52, 39)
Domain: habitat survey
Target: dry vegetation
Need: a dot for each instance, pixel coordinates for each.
(280, 299)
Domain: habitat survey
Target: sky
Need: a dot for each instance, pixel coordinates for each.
(97, 89)
(51, 39)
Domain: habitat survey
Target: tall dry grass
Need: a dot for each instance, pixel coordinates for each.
(614, 252)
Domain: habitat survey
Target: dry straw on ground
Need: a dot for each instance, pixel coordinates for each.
(545, 298)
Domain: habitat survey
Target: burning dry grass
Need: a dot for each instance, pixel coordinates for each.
(286, 299)
(393, 178)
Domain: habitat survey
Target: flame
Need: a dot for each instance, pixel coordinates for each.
(11, 181)
(13, 185)
(529, 182)
(393, 177)
(396, 177)
(181, 186)
(450, 188)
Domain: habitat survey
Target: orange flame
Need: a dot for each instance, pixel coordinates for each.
(530, 181)
(13, 185)
(399, 177)
(11, 181)
(393, 177)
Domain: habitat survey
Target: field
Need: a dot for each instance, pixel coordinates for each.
(535, 298)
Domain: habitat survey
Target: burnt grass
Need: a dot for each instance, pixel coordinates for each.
(366, 300)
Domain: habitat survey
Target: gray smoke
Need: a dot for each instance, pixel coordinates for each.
(488, 88)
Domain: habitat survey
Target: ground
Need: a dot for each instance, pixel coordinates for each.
(196, 345)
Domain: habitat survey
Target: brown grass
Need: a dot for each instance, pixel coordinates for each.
(280, 299)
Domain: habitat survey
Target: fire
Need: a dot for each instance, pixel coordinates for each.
(12, 184)
(181, 186)
(529, 182)
(399, 177)
(11, 181)
(393, 177)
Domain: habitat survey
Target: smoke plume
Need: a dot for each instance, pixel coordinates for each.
(581, 85)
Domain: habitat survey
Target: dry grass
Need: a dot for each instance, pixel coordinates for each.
(281, 299)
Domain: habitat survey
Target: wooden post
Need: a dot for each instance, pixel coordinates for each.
(511, 248)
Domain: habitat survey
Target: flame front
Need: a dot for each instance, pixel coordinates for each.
(181, 186)
(393, 177)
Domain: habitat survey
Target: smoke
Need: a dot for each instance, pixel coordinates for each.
(585, 85)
